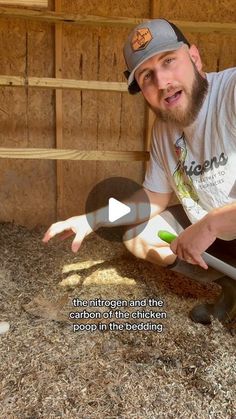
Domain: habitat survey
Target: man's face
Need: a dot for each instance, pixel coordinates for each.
(173, 85)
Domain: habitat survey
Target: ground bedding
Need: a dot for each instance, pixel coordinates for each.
(48, 371)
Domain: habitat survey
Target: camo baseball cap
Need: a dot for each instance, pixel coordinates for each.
(146, 40)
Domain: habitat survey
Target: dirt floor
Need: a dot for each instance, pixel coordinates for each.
(47, 370)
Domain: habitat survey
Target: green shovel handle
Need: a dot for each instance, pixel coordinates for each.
(210, 260)
(166, 236)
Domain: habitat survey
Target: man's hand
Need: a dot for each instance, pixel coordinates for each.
(192, 242)
(74, 225)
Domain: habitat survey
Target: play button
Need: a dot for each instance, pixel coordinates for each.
(117, 210)
(110, 201)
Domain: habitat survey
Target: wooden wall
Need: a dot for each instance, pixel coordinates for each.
(218, 51)
(98, 120)
(91, 120)
(27, 187)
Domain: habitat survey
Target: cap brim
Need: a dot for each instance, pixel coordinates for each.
(151, 53)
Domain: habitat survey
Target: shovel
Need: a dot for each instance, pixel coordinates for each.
(210, 260)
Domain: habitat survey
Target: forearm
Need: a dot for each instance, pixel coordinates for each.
(222, 221)
(195, 239)
(141, 208)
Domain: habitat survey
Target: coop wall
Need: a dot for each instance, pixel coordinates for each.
(40, 191)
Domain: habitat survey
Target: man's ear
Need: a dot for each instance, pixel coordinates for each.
(195, 56)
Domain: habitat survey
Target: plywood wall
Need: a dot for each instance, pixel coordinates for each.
(91, 120)
(217, 51)
(27, 188)
(98, 120)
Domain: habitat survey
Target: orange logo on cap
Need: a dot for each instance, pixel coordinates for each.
(141, 39)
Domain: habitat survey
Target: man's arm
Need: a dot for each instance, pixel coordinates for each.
(222, 221)
(138, 204)
(192, 242)
(81, 228)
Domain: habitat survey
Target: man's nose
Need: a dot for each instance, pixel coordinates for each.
(162, 79)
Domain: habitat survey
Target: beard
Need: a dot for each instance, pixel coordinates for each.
(185, 117)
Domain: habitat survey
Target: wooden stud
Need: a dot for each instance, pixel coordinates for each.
(53, 17)
(58, 112)
(56, 154)
(25, 3)
(56, 83)
(72, 18)
(150, 116)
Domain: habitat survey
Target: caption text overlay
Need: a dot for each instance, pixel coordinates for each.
(118, 315)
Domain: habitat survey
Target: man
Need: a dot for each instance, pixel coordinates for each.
(193, 154)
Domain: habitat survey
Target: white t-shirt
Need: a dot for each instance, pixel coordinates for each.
(198, 162)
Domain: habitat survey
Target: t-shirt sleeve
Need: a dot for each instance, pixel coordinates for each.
(233, 82)
(234, 97)
(155, 177)
(230, 100)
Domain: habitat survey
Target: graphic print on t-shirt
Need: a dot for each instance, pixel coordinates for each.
(183, 182)
(197, 183)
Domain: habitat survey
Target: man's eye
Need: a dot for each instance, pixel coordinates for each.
(169, 60)
(147, 76)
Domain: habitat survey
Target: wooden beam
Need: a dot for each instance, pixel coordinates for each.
(16, 81)
(72, 18)
(206, 27)
(77, 84)
(55, 154)
(149, 115)
(25, 3)
(59, 113)
(57, 83)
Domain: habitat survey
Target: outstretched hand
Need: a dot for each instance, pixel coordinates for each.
(74, 225)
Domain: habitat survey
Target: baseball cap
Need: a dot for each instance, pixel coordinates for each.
(146, 40)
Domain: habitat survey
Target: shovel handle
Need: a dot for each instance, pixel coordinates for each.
(212, 261)
(166, 236)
